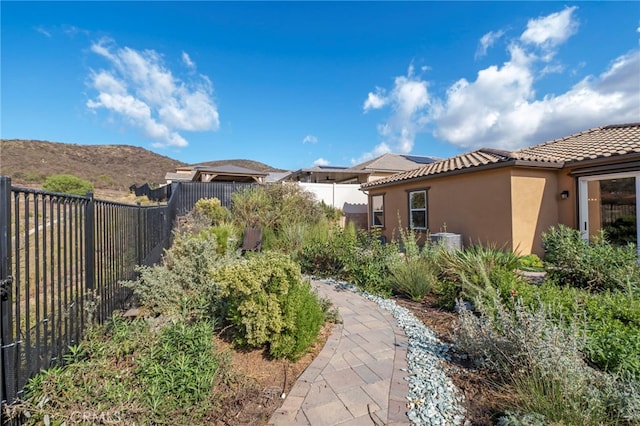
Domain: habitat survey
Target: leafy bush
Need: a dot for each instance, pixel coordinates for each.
(212, 210)
(67, 184)
(530, 262)
(273, 205)
(178, 373)
(595, 265)
(129, 372)
(367, 265)
(325, 255)
(264, 298)
(181, 285)
(541, 361)
(611, 319)
(87, 382)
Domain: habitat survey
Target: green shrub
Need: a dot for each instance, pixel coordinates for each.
(67, 184)
(88, 381)
(368, 264)
(264, 298)
(414, 278)
(304, 315)
(179, 372)
(476, 270)
(273, 205)
(181, 285)
(326, 255)
(611, 320)
(212, 210)
(530, 262)
(541, 361)
(595, 265)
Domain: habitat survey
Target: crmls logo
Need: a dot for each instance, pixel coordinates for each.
(106, 418)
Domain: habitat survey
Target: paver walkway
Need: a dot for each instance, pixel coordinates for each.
(357, 378)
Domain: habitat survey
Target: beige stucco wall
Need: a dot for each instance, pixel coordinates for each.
(505, 207)
(534, 202)
(568, 208)
(475, 205)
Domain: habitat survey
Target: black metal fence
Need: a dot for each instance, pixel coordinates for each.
(62, 258)
(155, 194)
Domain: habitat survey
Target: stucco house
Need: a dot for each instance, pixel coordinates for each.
(588, 181)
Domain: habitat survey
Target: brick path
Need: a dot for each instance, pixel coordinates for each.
(357, 378)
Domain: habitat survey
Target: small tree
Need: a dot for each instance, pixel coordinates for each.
(67, 184)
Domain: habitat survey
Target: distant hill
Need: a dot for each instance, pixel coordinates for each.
(109, 167)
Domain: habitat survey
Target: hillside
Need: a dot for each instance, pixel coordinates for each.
(109, 167)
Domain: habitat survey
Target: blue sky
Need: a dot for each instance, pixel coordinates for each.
(296, 84)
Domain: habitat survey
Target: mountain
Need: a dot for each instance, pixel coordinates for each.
(109, 167)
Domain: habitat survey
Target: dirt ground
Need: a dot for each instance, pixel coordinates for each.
(255, 403)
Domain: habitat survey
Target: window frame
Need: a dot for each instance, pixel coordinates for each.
(424, 209)
(373, 212)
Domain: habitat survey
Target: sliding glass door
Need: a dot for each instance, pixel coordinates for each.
(610, 203)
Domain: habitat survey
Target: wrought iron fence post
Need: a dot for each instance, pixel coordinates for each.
(139, 235)
(89, 243)
(7, 369)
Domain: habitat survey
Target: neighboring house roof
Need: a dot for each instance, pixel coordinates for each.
(225, 172)
(393, 162)
(601, 142)
(386, 163)
(276, 176)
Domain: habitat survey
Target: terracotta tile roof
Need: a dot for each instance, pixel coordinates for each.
(595, 143)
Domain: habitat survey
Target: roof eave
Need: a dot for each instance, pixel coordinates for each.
(497, 165)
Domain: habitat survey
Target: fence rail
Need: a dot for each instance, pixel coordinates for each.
(62, 258)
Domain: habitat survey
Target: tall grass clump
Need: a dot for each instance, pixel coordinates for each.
(539, 362)
(417, 272)
(595, 265)
(475, 271)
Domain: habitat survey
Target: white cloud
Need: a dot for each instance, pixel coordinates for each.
(187, 60)
(552, 30)
(43, 31)
(500, 107)
(487, 41)
(470, 117)
(375, 100)
(409, 99)
(310, 139)
(320, 162)
(137, 86)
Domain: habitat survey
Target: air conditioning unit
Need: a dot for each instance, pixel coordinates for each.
(448, 240)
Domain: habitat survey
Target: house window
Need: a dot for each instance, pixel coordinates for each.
(418, 209)
(377, 211)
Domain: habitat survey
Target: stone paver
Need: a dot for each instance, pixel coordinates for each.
(357, 378)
